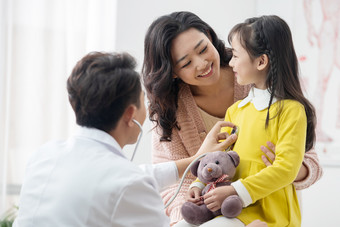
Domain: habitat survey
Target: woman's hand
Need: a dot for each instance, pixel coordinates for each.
(211, 142)
(269, 152)
(215, 198)
(269, 158)
(194, 196)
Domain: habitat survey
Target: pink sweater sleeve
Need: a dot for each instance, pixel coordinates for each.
(315, 171)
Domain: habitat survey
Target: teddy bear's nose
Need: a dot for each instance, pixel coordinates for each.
(209, 169)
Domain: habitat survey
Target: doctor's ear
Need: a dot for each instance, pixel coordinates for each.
(262, 62)
(129, 115)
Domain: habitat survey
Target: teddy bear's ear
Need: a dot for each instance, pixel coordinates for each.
(234, 157)
(194, 168)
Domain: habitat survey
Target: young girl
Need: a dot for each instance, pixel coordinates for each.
(190, 86)
(275, 110)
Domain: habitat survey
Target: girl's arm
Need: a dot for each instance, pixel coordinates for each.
(310, 171)
(290, 148)
(289, 156)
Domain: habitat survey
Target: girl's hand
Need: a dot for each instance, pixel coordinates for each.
(194, 196)
(215, 198)
(269, 158)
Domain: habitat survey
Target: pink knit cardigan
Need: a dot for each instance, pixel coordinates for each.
(186, 142)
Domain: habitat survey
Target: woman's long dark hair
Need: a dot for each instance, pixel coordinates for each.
(271, 35)
(162, 89)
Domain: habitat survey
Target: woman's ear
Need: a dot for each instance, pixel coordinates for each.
(129, 114)
(262, 62)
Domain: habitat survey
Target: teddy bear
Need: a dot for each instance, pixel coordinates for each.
(215, 169)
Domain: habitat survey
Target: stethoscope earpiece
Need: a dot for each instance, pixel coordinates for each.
(139, 137)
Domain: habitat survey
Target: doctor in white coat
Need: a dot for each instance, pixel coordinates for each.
(86, 180)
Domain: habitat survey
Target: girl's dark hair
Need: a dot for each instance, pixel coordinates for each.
(162, 89)
(100, 88)
(271, 35)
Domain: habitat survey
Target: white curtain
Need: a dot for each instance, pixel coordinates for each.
(40, 42)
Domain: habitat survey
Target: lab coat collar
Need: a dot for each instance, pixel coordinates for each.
(100, 136)
(260, 99)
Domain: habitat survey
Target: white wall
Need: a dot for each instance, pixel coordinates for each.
(319, 202)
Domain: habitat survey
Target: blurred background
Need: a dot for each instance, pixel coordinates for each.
(41, 40)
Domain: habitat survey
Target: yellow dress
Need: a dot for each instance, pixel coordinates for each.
(273, 196)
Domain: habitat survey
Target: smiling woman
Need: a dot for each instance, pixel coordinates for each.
(195, 64)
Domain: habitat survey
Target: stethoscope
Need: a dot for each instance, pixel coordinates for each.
(235, 130)
(185, 172)
(139, 137)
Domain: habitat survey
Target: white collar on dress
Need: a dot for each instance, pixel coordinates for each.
(260, 98)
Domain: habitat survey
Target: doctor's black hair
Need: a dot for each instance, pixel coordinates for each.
(100, 88)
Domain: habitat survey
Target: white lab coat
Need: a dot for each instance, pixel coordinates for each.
(87, 181)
